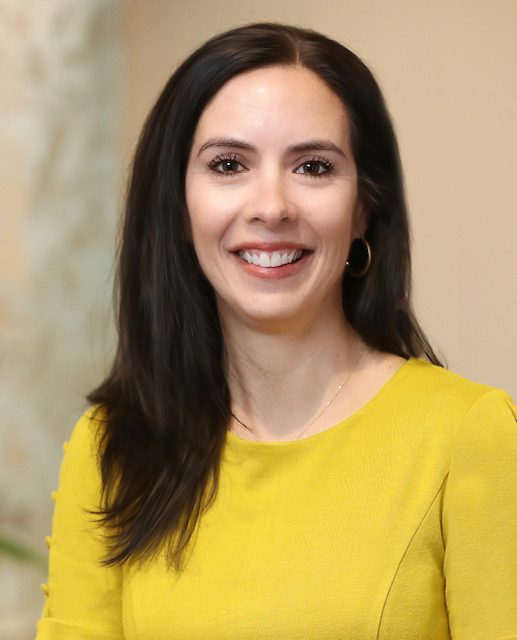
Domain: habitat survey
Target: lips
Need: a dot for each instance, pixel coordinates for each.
(271, 259)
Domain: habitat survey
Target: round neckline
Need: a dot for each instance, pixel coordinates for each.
(401, 372)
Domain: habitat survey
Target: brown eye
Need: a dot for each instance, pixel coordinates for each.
(314, 168)
(226, 166)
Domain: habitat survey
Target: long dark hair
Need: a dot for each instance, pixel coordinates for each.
(165, 405)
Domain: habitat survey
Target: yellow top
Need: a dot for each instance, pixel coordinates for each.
(397, 523)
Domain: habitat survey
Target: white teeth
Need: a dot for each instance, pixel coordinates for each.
(264, 260)
(276, 260)
(273, 259)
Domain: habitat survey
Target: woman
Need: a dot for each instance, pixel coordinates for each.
(269, 457)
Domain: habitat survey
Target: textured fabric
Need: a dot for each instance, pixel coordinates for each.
(398, 523)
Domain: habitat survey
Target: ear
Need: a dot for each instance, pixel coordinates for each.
(359, 220)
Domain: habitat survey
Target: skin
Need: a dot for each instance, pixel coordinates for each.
(272, 175)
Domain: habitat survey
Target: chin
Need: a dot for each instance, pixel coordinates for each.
(267, 318)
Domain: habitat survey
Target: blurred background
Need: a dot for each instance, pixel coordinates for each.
(77, 78)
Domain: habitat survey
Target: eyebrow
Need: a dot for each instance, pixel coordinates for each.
(317, 145)
(236, 143)
(302, 147)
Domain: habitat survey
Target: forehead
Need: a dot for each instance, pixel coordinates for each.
(275, 100)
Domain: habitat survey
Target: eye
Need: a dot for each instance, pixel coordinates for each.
(314, 167)
(226, 165)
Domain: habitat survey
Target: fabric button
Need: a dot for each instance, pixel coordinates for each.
(53, 495)
(45, 589)
(65, 446)
(48, 542)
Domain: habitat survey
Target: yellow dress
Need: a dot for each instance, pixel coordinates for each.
(398, 523)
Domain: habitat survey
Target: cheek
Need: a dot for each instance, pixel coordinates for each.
(211, 211)
(208, 224)
(333, 213)
(199, 208)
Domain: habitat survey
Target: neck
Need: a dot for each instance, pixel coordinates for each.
(280, 381)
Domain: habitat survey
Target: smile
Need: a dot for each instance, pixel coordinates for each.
(271, 258)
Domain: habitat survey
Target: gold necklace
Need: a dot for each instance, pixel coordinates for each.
(327, 405)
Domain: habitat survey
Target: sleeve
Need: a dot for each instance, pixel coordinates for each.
(480, 523)
(83, 597)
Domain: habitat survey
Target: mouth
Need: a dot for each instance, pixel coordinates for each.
(271, 259)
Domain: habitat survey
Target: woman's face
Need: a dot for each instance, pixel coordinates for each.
(271, 191)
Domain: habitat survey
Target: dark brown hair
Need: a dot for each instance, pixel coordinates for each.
(165, 403)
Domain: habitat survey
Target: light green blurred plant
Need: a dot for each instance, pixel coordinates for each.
(21, 553)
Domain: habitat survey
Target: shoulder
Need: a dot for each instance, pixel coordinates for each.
(80, 466)
(430, 404)
(420, 372)
(88, 430)
(434, 386)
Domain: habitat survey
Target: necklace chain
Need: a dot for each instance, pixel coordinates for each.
(327, 405)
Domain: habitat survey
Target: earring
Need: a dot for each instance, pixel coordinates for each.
(360, 254)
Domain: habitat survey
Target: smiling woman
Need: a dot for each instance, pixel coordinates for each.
(276, 451)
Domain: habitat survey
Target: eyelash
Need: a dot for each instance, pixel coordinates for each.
(321, 162)
(229, 157)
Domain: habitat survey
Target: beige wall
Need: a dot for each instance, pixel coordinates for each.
(448, 69)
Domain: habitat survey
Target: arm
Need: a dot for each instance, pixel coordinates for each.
(83, 600)
(480, 523)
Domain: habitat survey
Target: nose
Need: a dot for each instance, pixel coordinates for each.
(271, 202)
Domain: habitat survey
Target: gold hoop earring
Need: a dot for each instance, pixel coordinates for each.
(359, 247)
